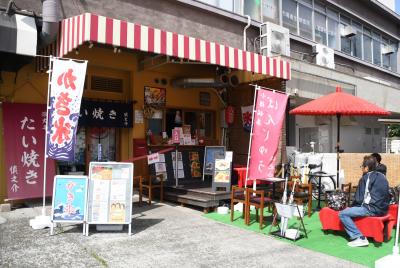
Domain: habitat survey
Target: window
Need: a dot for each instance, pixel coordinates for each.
(223, 4)
(393, 56)
(367, 48)
(270, 10)
(345, 42)
(305, 21)
(333, 33)
(202, 122)
(320, 28)
(357, 40)
(385, 57)
(376, 47)
(289, 15)
(253, 9)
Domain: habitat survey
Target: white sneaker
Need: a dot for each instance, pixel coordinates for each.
(358, 243)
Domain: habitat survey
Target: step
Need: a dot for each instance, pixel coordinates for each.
(191, 200)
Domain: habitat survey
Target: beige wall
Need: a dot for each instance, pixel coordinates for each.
(351, 165)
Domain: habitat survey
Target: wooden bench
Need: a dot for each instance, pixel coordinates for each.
(378, 228)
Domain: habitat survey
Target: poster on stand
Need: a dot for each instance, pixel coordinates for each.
(69, 198)
(110, 193)
(210, 154)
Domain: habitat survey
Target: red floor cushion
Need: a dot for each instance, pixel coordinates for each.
(369, 226)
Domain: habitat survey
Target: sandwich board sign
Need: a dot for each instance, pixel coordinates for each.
(210, 154)
(69, 200)
(110, 194)
(222, 175)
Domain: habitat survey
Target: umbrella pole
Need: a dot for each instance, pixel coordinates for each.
(337, 150)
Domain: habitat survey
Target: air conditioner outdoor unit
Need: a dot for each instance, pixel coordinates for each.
(387, 50)
(348, 31)
(325, 56)
(323, 120)
(274, 40)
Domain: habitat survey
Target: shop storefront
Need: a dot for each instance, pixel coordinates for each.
(143, 82)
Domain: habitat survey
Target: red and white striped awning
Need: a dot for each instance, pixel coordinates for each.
(99, 29)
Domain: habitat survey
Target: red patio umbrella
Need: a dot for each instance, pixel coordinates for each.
(339, 103)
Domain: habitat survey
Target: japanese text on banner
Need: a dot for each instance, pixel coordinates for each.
(67, 83)
(24, 150)
(268, 118)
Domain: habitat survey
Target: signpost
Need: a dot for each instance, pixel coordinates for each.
(69, 200)
(110, 194)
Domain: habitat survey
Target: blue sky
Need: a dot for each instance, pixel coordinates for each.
(398, 6)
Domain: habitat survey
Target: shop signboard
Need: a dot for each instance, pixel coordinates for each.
(24, 138)
(110, 193)
(210, 154)
(108, 114)
(270, 107)
(67, 81)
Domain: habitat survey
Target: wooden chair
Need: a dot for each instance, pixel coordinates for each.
(346, 188)
(302, 194)
(257, 199)
(238, 195)
(150, 184)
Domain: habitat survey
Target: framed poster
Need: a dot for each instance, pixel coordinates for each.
(69, 198)
(210, 154)
(222, 175)
(110, 193)
(154, 96)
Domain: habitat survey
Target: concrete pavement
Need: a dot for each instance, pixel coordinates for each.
(164, 235)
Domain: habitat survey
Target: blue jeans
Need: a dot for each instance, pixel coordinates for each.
(346, 216)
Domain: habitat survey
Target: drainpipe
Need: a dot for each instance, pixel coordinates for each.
(244, 32)
(50, 11)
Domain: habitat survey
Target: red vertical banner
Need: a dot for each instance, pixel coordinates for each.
(24, 137)
(269, 113)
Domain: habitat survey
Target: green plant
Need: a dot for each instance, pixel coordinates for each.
(394, 130)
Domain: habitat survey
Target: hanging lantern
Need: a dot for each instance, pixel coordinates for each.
(229, 114)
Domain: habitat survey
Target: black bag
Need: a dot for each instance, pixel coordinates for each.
(394, 194)
(337, 200)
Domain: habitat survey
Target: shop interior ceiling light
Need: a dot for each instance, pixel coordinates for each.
(393, 260)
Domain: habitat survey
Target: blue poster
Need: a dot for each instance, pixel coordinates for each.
(69, 198)
(211, 153)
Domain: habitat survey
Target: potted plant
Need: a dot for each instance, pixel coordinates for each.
(394, 135)
(394, 131)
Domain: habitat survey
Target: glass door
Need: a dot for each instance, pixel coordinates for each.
(101, 144)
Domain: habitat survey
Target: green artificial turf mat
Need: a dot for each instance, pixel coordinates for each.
(331, 243)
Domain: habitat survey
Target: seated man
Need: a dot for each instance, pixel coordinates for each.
(380, 167)
(371, 199)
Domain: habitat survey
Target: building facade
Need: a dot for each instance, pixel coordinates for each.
(139, 50)
(363, 36)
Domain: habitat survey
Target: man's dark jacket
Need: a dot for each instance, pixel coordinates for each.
(379, 191)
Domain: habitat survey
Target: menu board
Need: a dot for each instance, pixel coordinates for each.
(110, 193)
(69, 198)
(210, 154)
(222, 174)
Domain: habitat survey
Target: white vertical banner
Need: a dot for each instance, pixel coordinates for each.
(67, 81)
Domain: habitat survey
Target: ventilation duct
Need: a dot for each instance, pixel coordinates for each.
(198, 83)
(50, 11)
